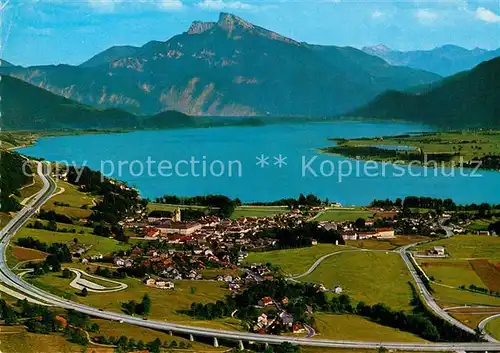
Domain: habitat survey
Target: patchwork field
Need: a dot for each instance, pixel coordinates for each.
(489, 274)
(293, 261)
(453, 273)
(468, 247)
(369, 276)
(352, 327)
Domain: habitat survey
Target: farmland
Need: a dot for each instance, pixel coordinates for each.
(489, 274)
(370, 276)
(453, 273)
(293, 261)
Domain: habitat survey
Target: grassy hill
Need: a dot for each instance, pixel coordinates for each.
(28, 107)
(467, 99)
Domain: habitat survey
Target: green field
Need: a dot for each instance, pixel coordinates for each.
(165, 303)
(493, 328)
(99, 244)
(17, 340)
(257, 211)
(72, 197)
(481, 224)
(447, 297)
(369, 276)
(468, 247)
(293, 261)
(357, 328)
(344, 215)
(451, 272)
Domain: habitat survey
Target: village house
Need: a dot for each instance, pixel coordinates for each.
(266, 301)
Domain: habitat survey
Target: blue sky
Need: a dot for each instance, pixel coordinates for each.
(35, 32)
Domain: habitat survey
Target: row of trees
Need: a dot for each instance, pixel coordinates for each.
(54, 216)
(125, 344)
(432, 203)
(308, 201)
(220, 204)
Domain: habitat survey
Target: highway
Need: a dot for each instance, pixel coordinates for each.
(427, 296)
(12, 280)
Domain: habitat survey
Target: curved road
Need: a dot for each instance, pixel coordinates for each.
(12, 280)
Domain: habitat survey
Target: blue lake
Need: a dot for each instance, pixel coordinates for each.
(223, 161)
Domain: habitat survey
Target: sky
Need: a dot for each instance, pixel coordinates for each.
(42, 32)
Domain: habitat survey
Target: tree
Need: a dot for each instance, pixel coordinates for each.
(146, 304)
(66, 273)
(85, 292)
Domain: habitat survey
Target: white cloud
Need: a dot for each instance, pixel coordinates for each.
(426, 16)
(221, 5)
(486, 15)
(377, 14)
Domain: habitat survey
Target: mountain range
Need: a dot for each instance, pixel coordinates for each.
(445, 60)
(467, 99)
(27, 107)
(226, 68)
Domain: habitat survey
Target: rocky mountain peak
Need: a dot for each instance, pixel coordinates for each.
(199, 27)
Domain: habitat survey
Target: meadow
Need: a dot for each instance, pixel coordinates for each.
(293, 261)
(493, 328)
(166, 304)
(369, 276)
(80, 203)
(353, 327)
